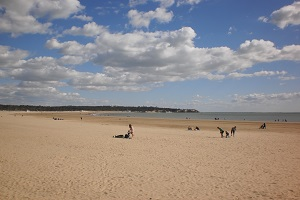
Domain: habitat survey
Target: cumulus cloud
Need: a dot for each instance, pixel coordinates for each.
(287, 15)
(161, 15)
(73, 52)
(36, 77)
(21, 17)
(26, 93)
(156, 57)
(90, 30)
(41, 69)
(83, 17)
(141, 61)
(10, 57)
(143, 19)
(47, 72)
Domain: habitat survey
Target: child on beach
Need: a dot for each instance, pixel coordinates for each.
(227, 134)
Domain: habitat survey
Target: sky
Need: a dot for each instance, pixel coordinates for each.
(209, 55)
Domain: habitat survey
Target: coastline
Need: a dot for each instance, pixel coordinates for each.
(232, 116)
(172, 123)
(43, 158)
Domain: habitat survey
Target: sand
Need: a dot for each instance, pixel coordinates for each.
(42, 158)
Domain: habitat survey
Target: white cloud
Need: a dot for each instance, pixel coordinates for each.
(10, 57)
(165, 3)
(153, 58)
(143, 19)
(38, 95)
(140, 61)
(287, 15)
(22, 17)
(83, 17)
(287, 78)
(73, 48)
(257, 74)
(231, 30)
(259, 51)
(58, 9)
(188, 2)
(41, 69)
(263, 19)
(16, 24)
(90, 30)
(133, 3)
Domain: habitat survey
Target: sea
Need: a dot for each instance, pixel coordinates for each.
(237, 116)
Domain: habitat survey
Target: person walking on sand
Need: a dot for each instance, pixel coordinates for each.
(233, 129)
(221, 131)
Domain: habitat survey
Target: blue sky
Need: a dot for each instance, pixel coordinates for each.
(210, 55)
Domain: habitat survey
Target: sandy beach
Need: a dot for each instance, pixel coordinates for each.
(74, 158)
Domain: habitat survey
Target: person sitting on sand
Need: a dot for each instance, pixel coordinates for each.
(189, 128)
(130, 131)
(129, 134)
(221, 131)
(263, 126)
(197, 128)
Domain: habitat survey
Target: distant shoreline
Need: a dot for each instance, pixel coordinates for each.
(282, 117)
(227, 116)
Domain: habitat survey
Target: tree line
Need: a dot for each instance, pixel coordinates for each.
(92, 108)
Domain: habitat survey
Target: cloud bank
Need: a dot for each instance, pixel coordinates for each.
(140, 61)
(127, 61)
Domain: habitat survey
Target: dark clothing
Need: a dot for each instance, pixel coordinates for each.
(233, 129)
(221, 131)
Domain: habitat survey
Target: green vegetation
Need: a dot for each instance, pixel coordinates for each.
(92, 108)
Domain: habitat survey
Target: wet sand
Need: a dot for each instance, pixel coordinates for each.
(42, 158)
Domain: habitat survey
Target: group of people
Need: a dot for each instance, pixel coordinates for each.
(130, 132)
(55, 118)
(232, 132)
(128, 135)
(195, 129)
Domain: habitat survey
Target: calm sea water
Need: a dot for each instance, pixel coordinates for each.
(248, 116)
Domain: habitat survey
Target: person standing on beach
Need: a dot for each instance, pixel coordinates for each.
(221, 131)
(233, 129)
